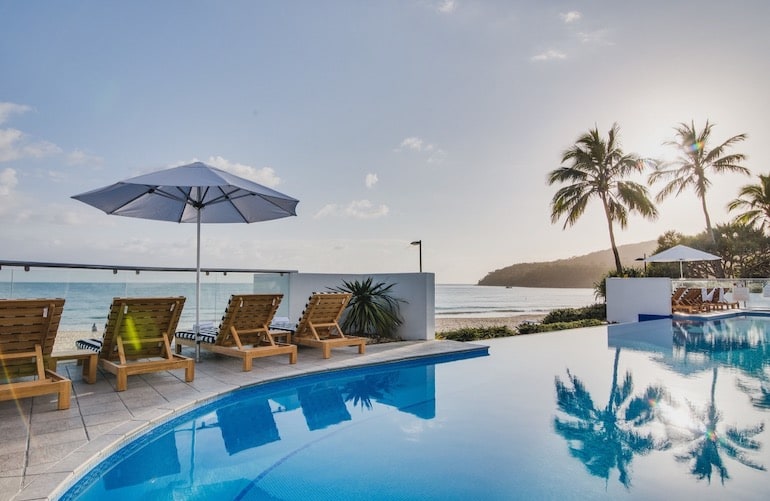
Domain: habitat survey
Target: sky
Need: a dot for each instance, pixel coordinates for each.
(390, 121)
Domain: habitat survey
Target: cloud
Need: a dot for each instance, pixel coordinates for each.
(371, 180)
(598, 37)
(571, 16)
(446, 6)
(8, 181)
(549, 55)
(80, 157)
(411, 143)
(8, 109)
(357, 209)
(418, 145)
(14, 145)
(265, 176)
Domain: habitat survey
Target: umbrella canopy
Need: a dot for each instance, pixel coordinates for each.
(194, 193)
(681, 253)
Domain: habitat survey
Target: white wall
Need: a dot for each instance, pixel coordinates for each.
(627, 298)
(417, 289)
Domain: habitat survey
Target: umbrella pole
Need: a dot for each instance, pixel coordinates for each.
(681, 275)
(198, 290)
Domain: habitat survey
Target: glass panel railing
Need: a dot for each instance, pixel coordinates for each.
(89, 292)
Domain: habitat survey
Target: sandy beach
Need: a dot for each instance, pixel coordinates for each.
(65, 340)
(450, 324)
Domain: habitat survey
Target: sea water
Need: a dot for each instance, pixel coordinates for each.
(88, 302)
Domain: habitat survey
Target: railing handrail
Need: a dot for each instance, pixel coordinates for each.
(27, 265)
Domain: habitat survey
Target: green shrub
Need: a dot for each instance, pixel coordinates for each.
(476, 333)
(596, 312)
(531, 328)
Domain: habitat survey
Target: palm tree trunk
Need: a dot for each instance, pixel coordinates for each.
(719, 270)
(708, 220)
(618, 266)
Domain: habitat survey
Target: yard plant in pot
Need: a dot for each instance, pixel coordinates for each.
(372, 312)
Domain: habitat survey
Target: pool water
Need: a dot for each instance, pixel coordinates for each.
(658, 409)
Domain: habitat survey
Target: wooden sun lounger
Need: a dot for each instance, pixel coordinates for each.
(27, 333)
(137, 338)
(319, 325)
(244, 331)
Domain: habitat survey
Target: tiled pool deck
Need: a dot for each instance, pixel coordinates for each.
(44, 448)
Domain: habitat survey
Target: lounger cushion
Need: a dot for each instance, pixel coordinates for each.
(208, 334)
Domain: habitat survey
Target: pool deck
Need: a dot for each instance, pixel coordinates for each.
(45, 450)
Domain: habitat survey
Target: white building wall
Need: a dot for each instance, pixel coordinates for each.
(627, 298)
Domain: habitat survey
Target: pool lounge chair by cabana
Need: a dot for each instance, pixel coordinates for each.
(137, 338)
(244, 331)
(319, 325)
(27, 333)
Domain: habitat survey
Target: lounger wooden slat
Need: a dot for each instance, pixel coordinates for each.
(245, 331)
(27, 334)
(137, 338)
(319, 325)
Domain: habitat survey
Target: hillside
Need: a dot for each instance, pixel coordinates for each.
(580, 271)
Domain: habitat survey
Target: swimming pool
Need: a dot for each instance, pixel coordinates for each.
(651, 410)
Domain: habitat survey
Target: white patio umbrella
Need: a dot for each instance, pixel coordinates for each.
(194, 193)
(681, 253)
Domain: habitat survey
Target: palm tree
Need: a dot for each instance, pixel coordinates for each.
(598, 169)
(754, 200)
(694, 162)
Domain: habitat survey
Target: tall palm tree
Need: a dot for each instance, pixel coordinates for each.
(598, 168)
(754, 200)
(695, 160)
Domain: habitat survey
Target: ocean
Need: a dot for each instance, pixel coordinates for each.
(88, 302)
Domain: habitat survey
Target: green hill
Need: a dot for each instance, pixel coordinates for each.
(580, 271)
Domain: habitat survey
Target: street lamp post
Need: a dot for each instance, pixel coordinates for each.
(419, 244)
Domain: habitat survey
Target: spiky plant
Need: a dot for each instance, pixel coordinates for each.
(372, 311)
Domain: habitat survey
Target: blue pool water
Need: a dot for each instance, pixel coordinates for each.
(661, 409)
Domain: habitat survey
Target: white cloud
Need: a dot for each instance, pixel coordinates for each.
(571, 16)
(265, 176)
(549, 55)
(8, 109)
(80, 157)
(598, 37)
(326, 210)
(371, 180)
(411, 143)
(417, 144)
(15, 145)
(357, 209)
(8, 181)
(364, 209)
(446, 6)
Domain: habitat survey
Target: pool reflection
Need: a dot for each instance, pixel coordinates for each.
(663, 419)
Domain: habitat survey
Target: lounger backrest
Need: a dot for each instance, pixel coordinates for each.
(135, 320)
(323, 309)
(25, 323)
(250, 315)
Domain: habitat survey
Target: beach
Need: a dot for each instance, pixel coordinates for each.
(444, 324)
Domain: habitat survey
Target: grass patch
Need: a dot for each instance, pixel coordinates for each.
(476, 333)
(559, 326)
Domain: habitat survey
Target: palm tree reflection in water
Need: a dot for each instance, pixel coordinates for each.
(708, 443)
(603, 439)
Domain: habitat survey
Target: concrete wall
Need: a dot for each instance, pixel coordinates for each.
(417, 289)
(627, 298)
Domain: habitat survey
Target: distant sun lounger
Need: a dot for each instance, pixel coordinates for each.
(319, 324)
(244, 331)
